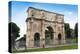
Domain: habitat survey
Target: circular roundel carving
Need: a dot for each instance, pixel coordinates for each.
(35, 26)
(58, 28)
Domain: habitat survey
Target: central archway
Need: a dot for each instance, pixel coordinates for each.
(49, 35)
(37, 40)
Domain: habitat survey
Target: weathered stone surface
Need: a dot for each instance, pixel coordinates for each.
(38, 20)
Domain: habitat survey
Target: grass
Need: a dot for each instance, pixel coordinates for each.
(73, 40)
(50, 49)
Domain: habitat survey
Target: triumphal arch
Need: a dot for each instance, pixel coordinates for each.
(44, 28)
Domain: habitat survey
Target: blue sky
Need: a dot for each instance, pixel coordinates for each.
(19, 12)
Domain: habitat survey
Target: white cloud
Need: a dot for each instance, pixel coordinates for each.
(69, 13)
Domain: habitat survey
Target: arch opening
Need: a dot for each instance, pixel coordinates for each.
(49, 36)
(37, 40)
(59, 38)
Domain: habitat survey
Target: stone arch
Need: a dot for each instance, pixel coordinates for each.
(59, 38)
(37, 40)
(49, 36)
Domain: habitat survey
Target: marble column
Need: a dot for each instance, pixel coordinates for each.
(43, 34)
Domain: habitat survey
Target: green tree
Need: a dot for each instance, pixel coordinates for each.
(67, 30)
(13, 33)
(72, 33)
(76, 30)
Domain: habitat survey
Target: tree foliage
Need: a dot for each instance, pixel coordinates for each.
(76, 30)
(13, 33)
(67, 30)
(14, 29)
(72, 33)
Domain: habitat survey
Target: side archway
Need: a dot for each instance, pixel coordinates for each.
(59, 38)
(37, 40)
